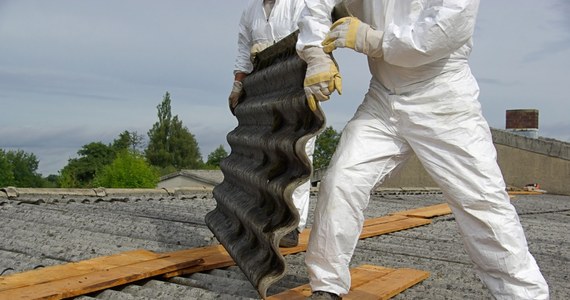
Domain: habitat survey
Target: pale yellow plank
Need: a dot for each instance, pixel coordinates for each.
(387, 286)
(63, 271)
(407, 223)
(426, 212)
(98, 280)
(368, 283)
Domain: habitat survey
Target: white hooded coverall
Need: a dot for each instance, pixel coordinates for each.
(256, 28)
(422, 99)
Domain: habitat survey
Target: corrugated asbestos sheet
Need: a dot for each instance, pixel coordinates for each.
(267, 162)
(50, 227)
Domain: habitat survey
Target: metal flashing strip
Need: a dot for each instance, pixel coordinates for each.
(267, 162)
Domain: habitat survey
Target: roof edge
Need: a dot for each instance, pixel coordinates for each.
(15, 192)
(549, 147)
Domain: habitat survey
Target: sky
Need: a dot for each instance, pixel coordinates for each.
(75, 72)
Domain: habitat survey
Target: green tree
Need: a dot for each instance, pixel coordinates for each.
(128, 170)
(324, 147)
(51, 181)
(216, 157)
(24, 168)
(171, 145)
(80, 172)
(128, 140)
(6, 174)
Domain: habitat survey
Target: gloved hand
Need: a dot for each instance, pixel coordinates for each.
(350, 32)
(322, 77)
(256, 49)
(237, 91)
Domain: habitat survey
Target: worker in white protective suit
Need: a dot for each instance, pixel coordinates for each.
(263, 23)
(422, 99)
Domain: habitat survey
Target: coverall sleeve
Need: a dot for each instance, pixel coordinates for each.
(297, 10)
(243, 63)
(315, 22)
(441, 27)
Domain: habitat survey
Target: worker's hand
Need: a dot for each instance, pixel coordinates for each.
(350, 32)
(237, 91)
(255, 49)
(322, 77)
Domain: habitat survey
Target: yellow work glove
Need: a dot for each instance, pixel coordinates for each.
(350, 32)
(237, 91)
(255, 49)
(322, 77)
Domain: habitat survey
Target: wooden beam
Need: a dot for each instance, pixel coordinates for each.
(72, 286)
(368, 283)
(64, 271)
(426, 212)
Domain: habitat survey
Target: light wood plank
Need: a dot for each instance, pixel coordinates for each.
(525, 193)
(374, 230)
(384, 220)
(427, 212)
(63, 271)
(387, 286)
(98, 280)
(368, 283)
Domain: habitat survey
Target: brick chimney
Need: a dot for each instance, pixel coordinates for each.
(523, 122)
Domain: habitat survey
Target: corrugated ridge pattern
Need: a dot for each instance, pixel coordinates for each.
(267, 162)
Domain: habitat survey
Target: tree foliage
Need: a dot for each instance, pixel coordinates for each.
(128, 140)
(324, 147)
(80, 172)
(128, 170)
(18, 168)
(171, 145)
(6, 174)
(216, 157)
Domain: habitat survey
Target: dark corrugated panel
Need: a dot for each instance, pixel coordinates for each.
(267, 162)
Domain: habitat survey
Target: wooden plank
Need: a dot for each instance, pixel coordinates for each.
(384, 220)
(217, 257)
(525, 193)
(368, 283)
(63, 271)
(387, 286)
(407, 223)
(99, 280)
(360, 275)
(298, 293)
(213, 257)
(426, 212)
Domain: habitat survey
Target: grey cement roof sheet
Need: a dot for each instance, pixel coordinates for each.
(207, 176)
(41, 230)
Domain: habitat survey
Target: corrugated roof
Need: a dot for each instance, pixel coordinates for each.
(46, 229)
(212, 177)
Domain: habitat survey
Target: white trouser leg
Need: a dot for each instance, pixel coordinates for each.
(366, 152)
(302, 193)
(460, 156)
